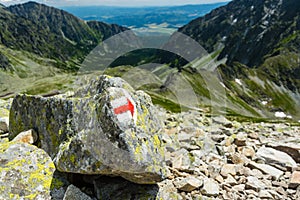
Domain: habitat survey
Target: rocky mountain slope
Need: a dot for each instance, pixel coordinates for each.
(252, 49)
(72, 152)
(260, 42)
(38, 44)
(51, 33)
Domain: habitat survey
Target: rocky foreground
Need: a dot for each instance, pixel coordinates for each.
(107, 141)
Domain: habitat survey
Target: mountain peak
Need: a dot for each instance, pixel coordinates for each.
(248, 30)
(50, 32)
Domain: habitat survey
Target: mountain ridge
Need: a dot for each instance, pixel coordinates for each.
(260, 41)
(41, 45)
(55, 33)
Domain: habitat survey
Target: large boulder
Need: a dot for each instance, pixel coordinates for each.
(26, 172)
(105, 128)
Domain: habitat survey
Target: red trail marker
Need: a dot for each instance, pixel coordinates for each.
(128, 107)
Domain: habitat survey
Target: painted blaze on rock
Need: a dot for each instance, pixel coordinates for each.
(123, 106)
(105, 128)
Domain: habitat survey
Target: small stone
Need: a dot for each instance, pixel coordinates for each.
(229, 149)
(289, 191)
(240, 139)
(288, 175)
(258, 174)
(239, 188)
(238, 158)
(281, 191)
(251, 193)
(29, 137)
(267, 169)
(248, 152)
(197, 155)
(219, 178)
(280, 184)
(74, 193)
(265, 195)
(228, 169)
(254, 184)
(171, 131)
(188, 184)
(245, 171)
(273, 156)
(181, 159)
(230, 180)
(167, 191)
(295, 180)
(253, 135)
(184, 137)
(210, 188)
(4, 124)
(222, 121)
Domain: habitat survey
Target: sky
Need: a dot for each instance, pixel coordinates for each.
(58, 3)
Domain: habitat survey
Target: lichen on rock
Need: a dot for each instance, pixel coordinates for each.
(105, 128)
(27, 170)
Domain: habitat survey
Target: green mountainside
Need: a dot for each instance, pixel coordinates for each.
(260, 41)
(51, 33)
(40, 45)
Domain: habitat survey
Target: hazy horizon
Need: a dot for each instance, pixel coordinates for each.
(120, 3)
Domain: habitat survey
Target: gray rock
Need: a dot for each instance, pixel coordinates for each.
(240, 139)
(28, 137)
(188, 184)
(290, 148)
(4, 125)
(276, 157)
(248, 152)
(26, 172)
(228, 169)
(239, 188)
(196, 157)
(184, 137)
(210, 187)
(295, 180)
(74, 193)
(230, 180)
(267, 169)
(167, 191)
(223, 121)
(265, 195)
(254, 184)
(106, 128)
(181, 159)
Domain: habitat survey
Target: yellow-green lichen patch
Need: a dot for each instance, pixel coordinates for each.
(141, 122)
(138, 150)
(156, 141)
(56, 184)
(73, 158)
(4, 112)
(26, 169)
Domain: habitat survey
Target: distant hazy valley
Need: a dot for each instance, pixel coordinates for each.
(144, 19)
